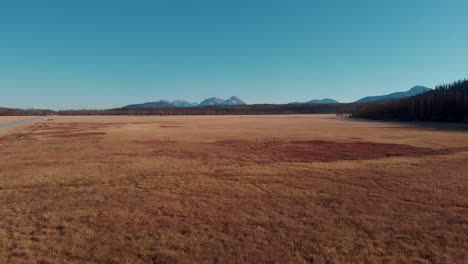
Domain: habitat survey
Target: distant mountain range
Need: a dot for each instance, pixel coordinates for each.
(318, 101)
(233, 100)
(182, 103)
(212, 101)
(160, 103)
(398, 95)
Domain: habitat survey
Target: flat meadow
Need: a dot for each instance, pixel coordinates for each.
(233, 189)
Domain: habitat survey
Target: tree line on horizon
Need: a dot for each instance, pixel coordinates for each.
(199, 110)
(446, 103)
(221, 110)
(24, 112)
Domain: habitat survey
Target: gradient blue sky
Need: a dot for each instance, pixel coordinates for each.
(100, 54)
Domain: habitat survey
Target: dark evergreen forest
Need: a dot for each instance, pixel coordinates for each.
(446, 103)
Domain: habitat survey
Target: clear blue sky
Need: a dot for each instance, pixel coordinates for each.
(99, 54)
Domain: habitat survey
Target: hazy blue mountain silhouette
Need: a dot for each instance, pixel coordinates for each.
(318, 101)
(160, 103)
(212, 101)
(411, 92)
(233, 100)
(183, 103)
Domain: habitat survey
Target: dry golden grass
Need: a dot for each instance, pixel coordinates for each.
(232, 189)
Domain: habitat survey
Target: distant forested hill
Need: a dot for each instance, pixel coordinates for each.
(446, 103)
(398, 95)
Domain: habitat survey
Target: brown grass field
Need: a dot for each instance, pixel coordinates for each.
(232, 189)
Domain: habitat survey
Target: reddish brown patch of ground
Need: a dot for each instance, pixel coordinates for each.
(82, 134)
(280, 151)
(69, 134)
(72, 130)
(166, 126)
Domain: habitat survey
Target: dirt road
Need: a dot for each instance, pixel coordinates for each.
(13, 124)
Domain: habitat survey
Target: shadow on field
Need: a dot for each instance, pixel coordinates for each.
(417, 124)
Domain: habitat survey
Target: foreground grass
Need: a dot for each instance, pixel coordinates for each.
(198, 189)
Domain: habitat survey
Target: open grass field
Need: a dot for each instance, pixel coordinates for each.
(233, 189)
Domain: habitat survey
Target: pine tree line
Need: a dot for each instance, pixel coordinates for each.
(24, 112)
(446, 103)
